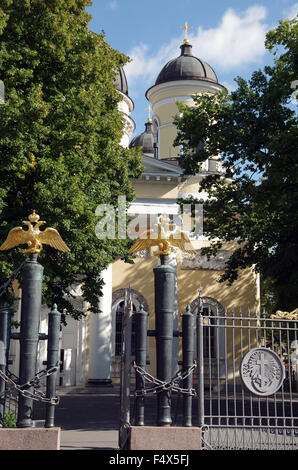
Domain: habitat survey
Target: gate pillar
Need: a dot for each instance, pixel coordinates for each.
(187, 362)
(141, 356)
(30, 316)
(164, 288)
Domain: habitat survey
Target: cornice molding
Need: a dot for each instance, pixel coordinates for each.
(194, 86)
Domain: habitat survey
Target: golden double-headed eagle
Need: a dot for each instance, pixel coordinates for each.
(34, 237)
(279, 315)
(164, 238)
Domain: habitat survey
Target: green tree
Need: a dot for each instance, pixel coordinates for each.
(255, 132)
(60, 130)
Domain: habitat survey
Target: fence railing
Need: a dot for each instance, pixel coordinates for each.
(12, 388)
(236, 407)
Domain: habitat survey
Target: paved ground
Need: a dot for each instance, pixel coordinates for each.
(88, 417)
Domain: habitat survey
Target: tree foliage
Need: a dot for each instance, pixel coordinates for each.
(60, 132)
(255, 132)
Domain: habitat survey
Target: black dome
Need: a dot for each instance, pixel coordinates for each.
(186, 67)
(144, 140)
(121, 82)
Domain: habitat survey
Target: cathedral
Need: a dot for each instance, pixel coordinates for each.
(90, 348)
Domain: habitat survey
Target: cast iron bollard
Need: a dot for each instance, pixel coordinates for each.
(29, 335)
(164, 287)
(141, 318)
(52, 361)
(187, 362)
(5, 322)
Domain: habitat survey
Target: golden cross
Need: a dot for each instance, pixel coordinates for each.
(186, 27)
(149, 109)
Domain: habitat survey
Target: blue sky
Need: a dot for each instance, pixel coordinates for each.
(227, 34)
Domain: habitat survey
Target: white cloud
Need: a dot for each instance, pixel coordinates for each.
(291, 12)
(113, 5)
(147, 65)
(230, 86)
(238, 40)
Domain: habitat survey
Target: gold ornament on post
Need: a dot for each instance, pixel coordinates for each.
(165, 239)
(279, 315)
(34, 237)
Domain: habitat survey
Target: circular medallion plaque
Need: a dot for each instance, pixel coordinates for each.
(262, 371)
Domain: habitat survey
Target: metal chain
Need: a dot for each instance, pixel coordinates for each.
(11, 375)
(12, 379)
(22, 389)
(11, 278)
(162, 386)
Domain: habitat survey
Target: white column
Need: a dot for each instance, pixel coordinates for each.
(100, 343)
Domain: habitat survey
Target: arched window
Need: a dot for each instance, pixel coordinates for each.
(118, 298)
(213, 336)
(155, 128)
(209, 332)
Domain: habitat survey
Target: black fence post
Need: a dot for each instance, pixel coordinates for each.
(29, 336)
(141, 319)
(125, 375)
(52, 361)
(200, 361)
(187, 362)
(5, 326)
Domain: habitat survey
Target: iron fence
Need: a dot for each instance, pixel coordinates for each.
(235, 416)
(11, 404)
(8, 399)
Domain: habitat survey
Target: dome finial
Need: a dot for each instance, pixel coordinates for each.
(149, 109)
(186, 27)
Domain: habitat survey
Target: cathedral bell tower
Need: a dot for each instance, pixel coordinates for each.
(178, 80)
(126, 107)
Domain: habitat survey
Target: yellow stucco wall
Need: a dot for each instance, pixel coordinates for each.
(156, 190)
(168, 131)
(166, 137)
(167, 190)
(243, 292)
(191, 185)
(167, 112)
